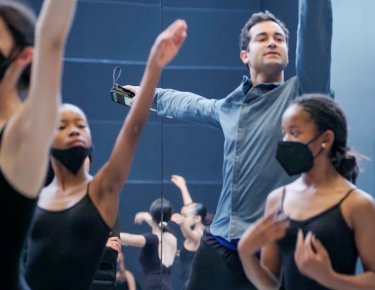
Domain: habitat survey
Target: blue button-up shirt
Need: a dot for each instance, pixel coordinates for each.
(250, 118)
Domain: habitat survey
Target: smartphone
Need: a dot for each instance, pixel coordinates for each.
(121, 96)
(124, 97)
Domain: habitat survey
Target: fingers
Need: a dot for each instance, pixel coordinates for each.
(177, 218)
(177, 180)
(133, 89)
(275, 225)
(115, 240)
(177, 31)
(266, 230)
(114, 243)
(173, 179)
(168, 43)
(319, 248)
(304, 247)
(274, 215)
(139, 217)
(300, 239)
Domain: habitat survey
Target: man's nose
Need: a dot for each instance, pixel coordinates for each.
(271, 43)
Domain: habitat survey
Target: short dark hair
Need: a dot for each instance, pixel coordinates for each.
(255, 19)
(328, 115)
(20, 21)
(161, 210)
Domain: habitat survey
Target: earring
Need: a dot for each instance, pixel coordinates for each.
(323, 145)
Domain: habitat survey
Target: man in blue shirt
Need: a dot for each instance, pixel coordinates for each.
(250, 118)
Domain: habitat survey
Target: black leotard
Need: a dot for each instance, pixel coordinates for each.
(335, 235)
(65, 247)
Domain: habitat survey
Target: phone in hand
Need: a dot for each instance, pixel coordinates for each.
(121, 95)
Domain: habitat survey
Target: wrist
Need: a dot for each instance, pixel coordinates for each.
(329, 279)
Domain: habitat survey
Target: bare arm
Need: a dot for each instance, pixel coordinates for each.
(263, 235)
(143, 216)
(28, 134)
(193, 235)
(110, 179)
(132, 240)
(180, 182)
(130, 280)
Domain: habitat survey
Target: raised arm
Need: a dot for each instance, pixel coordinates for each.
(28, 134)
(110, 179)
(180, 182)
(192, 235)
(313, 56)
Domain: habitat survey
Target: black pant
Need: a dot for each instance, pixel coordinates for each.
(216, 267)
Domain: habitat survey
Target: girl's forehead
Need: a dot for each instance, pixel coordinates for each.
(296, 113)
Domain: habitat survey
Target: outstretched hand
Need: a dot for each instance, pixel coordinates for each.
(168, 43)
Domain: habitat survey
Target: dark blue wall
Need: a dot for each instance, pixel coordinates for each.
(108, 33)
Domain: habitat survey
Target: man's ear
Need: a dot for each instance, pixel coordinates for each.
(244, 56)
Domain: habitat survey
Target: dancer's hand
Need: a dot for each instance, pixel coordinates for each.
(179, 181)
(114, 243)
(168, 43)
(266, 230)
(312, 258)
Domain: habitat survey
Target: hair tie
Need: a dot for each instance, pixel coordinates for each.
(163, 225)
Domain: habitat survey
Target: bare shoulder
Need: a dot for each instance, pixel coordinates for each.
(274, 199)
(359, 209)
(361, 200)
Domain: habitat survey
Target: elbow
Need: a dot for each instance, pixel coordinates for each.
(137, 130)
(242, 247)
(134, 131)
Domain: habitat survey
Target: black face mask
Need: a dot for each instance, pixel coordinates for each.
(296, 157)
(72, 158)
